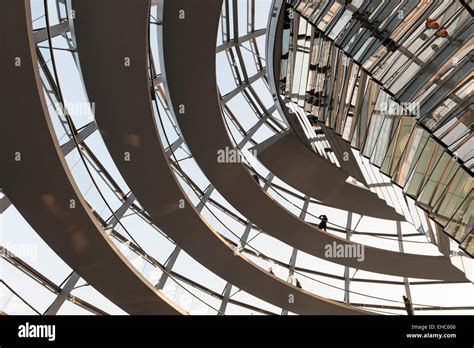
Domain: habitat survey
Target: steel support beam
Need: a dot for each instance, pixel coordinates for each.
(174, 255)
(256, 127)
(268, 181)
(294, 253)
(400, 246)
(173, 147)
(81, 136)
(55, 30)
(241, 40)
(291, 273)
(228, 286)
(347, 280)
(225, 299)
(115, 219)
(244, 238)
(168, 267)
(63, 294)
(207, 194)
(225, 99)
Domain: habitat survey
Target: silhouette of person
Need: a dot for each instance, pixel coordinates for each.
(298, 284)
(323, 224)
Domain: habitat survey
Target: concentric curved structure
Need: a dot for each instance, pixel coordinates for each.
(113, 86)
(49, 201)
(195, 92)
(239, 157)
(402, 103)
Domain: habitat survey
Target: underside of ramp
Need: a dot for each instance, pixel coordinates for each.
(126, 121)
(191, 82)
(294, 163)
(37, 180)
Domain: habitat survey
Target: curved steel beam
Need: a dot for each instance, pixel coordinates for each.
(190, 42)
(36, 178)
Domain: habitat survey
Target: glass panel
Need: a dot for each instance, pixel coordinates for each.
(383, 140)
(461, 223)
(398, 145)
(11, 304)
(415, 149)
(452, 197)
(468, 243)
(428, 160)
(442, 174)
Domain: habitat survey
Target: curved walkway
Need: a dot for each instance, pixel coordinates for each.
(37, 180)
(289, 159)
(191, 42)
(126, 121)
